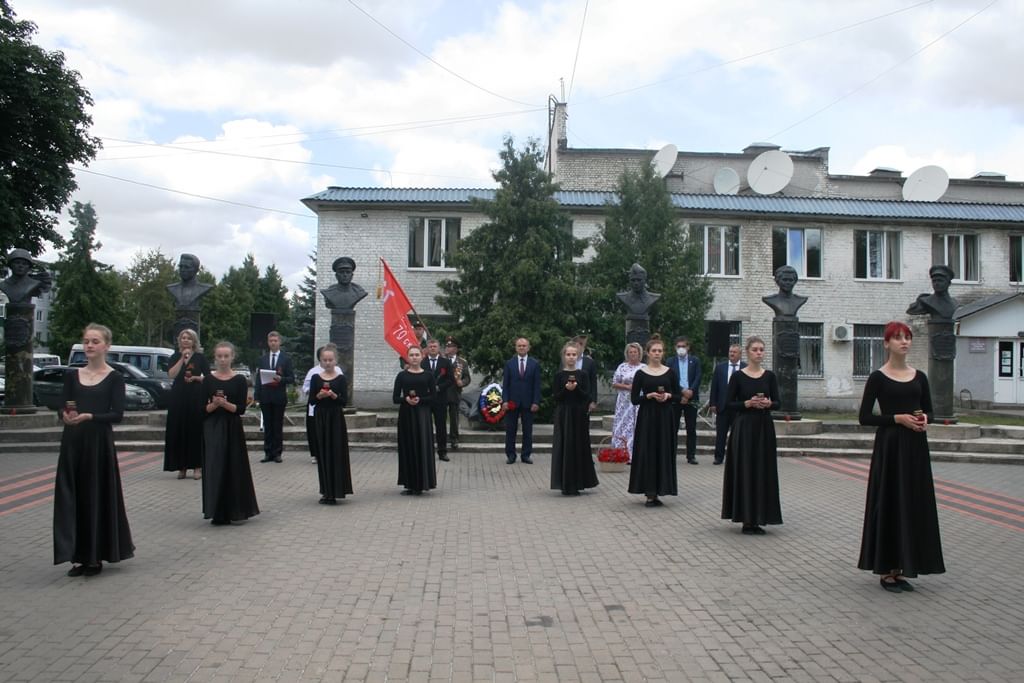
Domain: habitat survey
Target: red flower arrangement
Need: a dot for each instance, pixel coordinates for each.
(490, 406)
(613, 455)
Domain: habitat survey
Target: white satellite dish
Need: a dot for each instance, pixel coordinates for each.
(727, 181)
(926, 184)
(665, 159)
(769, 172)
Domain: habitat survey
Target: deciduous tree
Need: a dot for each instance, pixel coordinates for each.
(44, 126)
(86, 289)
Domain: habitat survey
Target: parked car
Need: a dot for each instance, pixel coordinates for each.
(159, 389)
(3, 386)
(48, 390)
(152, 360)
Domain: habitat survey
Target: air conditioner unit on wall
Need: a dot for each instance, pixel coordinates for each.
(842, 333)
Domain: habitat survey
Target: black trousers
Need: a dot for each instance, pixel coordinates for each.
(311, 433)
(722, 423)
(273, 429)
(439, 410)
(453, 421)
(688, 412)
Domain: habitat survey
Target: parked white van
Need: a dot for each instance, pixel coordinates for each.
(152, 360)
(45, 360)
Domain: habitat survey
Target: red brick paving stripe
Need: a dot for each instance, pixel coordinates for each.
(983, 505)
(40, 494)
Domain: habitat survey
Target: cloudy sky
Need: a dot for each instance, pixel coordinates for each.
(217, 117)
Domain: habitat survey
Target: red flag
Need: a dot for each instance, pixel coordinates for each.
(398, 332)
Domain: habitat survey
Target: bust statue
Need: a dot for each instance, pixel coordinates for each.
(189, 291)
(939, 304)
(637, 299)
(345, 294)
(21, 286)
(785, 303)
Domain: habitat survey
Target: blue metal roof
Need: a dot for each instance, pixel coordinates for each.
(709, 203)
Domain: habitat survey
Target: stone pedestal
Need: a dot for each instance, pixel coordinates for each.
(638, 329)
(343, 335)
(941, 354)
(789, 427)
(786, 364)
(18, 338)
(185, 319)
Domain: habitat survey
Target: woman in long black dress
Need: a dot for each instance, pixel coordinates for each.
(228, 492)
(414, 389)
(183, 436)
(572, 465)
(750, 493)
(655, 388)
(327, 392)
(89, 521)
(901, 523)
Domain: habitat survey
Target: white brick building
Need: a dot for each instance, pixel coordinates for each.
(863, 253)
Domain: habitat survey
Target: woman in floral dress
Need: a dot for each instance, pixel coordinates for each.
(624, 423)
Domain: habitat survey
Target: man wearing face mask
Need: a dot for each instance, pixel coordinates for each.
(688, 371)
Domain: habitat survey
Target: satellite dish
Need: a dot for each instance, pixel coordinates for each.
(769, 172)
(665, 159)
(926, 184)
(727, 181)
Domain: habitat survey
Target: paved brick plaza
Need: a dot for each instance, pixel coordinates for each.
(494, 577)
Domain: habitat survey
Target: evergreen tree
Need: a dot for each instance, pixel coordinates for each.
(87, 290)
(516, 275)
(302, 311)
(643, 227)
(150, 307)
(272, 297)
(44, 128)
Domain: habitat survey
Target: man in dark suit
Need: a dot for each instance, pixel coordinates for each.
(687, 367)
(719, 391)
(273, 396)
(520, 395)
(443, 377)
(587, 365)
(460, 378)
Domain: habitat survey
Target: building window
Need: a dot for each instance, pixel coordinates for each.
(810, 350)
(876, 255)
(1017, 258)
(39, 316)
(959, 252)
(720, 248)
(736, 333)
(797, 247)
(433, 241)
(868, 349)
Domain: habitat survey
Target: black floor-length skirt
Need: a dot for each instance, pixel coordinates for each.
(417, 470)
(183, 438)
(332, 461)
(572, 463)
(89, 520)
(750, 493)
(653, 472)
(228, 491)
(901, 523)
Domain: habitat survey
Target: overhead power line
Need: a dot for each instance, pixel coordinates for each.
(760, 53)
(879, 75)
(192, 194)
(576, 59)
(435, 62)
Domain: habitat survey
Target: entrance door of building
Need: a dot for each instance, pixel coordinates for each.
(1009, 386)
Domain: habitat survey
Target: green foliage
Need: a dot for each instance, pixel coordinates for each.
(643, 228)
(227, 309)
(302, 311)
(516, 275)
(150, 307)
(44, 128)
(87, 290)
